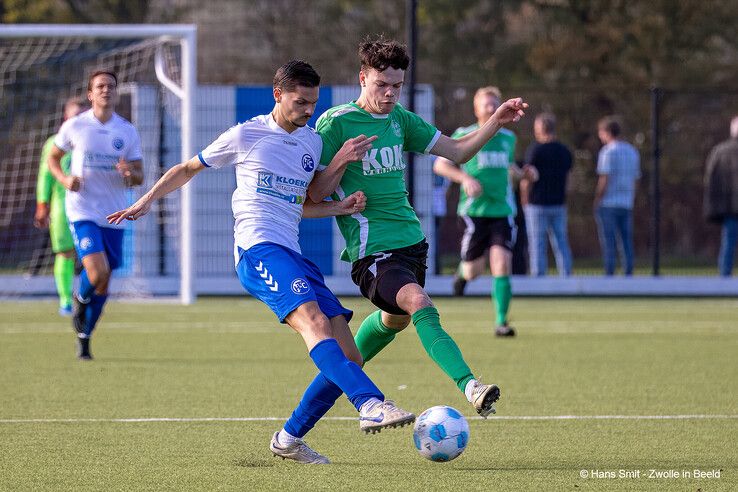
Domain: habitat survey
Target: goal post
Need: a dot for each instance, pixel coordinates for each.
(26, 48)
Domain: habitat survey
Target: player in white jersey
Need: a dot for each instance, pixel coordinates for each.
(275, 157)
(106, 160)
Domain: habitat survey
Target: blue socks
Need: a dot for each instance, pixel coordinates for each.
(319, 397)
(347, 376)
(323, 391)
(94, 310)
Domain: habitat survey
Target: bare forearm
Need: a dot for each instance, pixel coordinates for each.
(312, 210)
(449, 170)
(325, 182)
(470, 144)
(173, 179)
(600, 190)
(55, 169)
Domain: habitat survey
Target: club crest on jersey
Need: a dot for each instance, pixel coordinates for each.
(396, 128)
(307, 163)
(85, 243)
(300, 286)
(118, 143)
(265, 179)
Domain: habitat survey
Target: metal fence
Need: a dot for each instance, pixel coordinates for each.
(671, 236)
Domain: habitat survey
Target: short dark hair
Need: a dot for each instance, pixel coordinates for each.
(101, 72)
(380, 53)
(294, 73)
(548, 122)
(612, 125)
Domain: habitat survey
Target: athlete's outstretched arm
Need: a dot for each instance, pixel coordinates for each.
(462, 149)
(326, 181)
(173, 179)
(355, 202)
(450, 170)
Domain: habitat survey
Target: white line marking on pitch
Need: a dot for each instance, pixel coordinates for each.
(269, 419)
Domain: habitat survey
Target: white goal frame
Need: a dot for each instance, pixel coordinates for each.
(187, 36)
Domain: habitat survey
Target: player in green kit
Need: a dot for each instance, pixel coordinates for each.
(487, 206)
(385, 243)
(50, 213)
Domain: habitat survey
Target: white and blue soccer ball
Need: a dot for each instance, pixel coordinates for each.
(441, 433)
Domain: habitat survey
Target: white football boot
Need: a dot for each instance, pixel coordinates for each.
(297, 451)
(383, 415)
(483, 397)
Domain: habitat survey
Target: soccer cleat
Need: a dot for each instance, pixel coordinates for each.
(298, 451)
(384, 415)
(83, 348)
(484, 397)
(65, 311)
(505, 330)
(79, 314)
(459, 286)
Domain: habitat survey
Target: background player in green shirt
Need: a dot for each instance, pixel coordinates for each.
(50, 213)
(487, 205)
(385, 242)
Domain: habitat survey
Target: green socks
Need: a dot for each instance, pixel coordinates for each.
(64, 277)
(441, 347)
(373, 336)
(502, 294)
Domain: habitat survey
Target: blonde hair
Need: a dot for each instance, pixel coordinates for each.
(489, 90)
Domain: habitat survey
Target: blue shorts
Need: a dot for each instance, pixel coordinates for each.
(284, 280)
(90, 238)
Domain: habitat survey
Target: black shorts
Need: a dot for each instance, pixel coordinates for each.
(380, 276)
(482, 233)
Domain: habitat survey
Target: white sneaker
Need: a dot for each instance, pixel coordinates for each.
(298, 451)
(384, 415)
(483, 397)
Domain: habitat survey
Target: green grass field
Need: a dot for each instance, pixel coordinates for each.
(228, 358)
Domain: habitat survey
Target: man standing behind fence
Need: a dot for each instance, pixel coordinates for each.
(721, 195)
(545, 210)
(618, 168)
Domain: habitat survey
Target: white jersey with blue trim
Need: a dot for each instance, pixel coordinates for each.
(273, 170)
(96, 148)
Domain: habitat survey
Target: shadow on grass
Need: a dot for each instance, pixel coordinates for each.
(169, 360)
(255, 463)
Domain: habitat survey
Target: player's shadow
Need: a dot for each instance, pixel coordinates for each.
(254, 463)
(169, 360)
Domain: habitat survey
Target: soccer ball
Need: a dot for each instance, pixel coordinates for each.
(441, 433)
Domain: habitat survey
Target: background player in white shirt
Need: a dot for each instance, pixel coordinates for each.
(275, 156)
(106, 159)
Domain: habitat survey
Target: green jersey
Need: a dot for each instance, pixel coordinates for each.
(48, 189)
(490, 167)
(388, 222)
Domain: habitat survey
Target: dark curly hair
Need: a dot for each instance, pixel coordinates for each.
(294, 73)
(380, 53)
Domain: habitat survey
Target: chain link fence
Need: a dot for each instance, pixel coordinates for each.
(691, 123)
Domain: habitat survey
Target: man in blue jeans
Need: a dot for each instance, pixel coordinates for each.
(544, 201)
(721, 195)
(618, 169)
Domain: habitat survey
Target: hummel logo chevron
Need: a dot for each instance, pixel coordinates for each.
(268, 279)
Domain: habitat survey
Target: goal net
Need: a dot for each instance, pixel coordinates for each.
(41, 67)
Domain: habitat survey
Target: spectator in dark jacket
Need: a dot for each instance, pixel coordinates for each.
(545, 200)
(721, 195)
